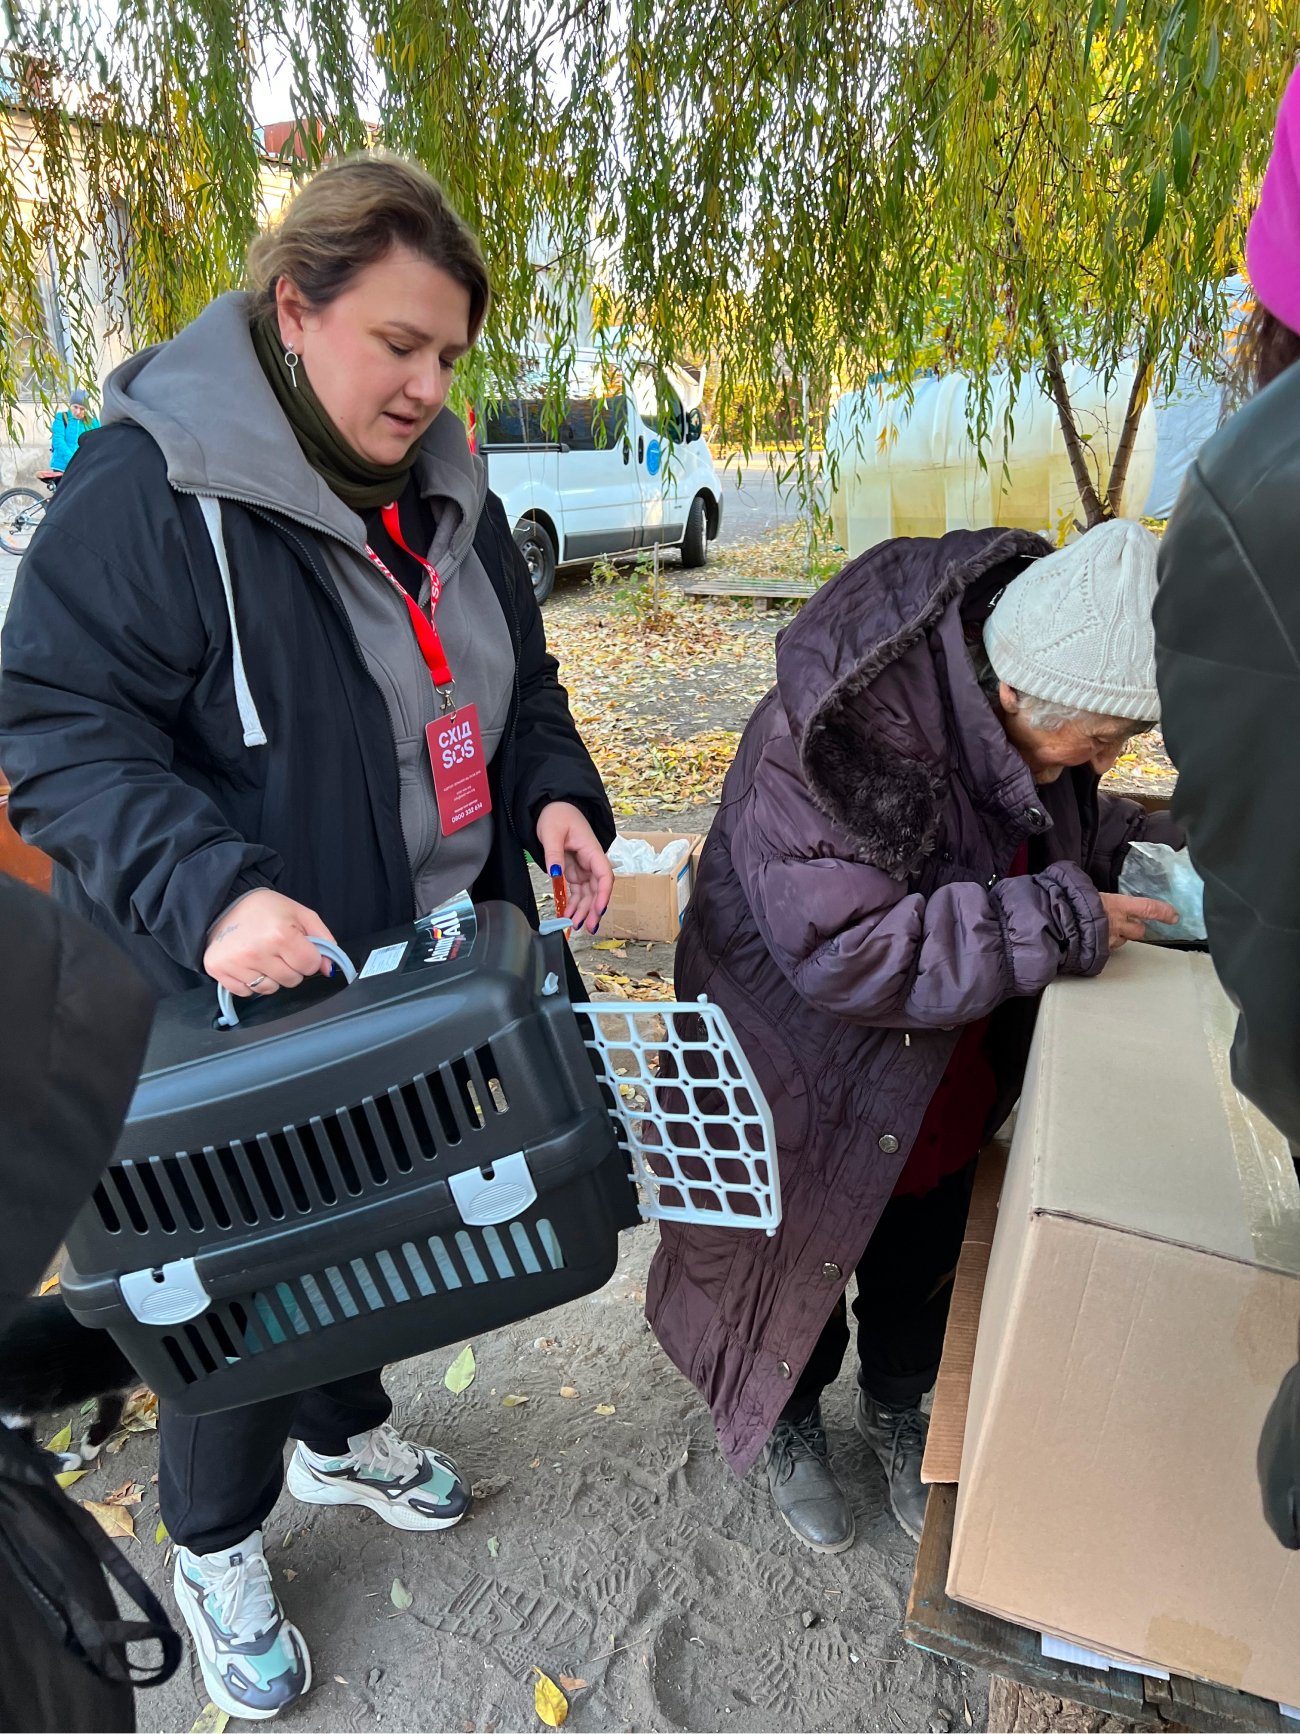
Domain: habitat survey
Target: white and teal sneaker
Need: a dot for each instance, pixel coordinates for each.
(410, 1486)
(253, 1661)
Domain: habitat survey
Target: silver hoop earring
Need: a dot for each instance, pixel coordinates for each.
(291, 362)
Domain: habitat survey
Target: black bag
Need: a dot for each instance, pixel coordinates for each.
(66, 1664)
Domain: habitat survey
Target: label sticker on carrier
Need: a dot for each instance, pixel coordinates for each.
(384, 960)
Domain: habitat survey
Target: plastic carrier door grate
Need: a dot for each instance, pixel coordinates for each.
(691, 1119)
(354, 1175)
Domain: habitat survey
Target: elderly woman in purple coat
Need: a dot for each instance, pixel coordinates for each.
(911, 846)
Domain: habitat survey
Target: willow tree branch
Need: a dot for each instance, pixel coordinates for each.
(1137, 402)
(1093, 510)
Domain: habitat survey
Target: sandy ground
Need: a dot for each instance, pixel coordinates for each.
(617, 1549)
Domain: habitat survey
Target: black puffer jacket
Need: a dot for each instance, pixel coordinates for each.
(120, 735)
(1228, 662)
(75, 1018)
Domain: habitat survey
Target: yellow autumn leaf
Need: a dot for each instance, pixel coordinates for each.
(68, 1476)
(160, 1534)
(50, 1284)
(513, 1402)
(605, 1409)
(112, 1519)
(460, 1374)
(141, 1412)
(551, 1703)
(61, 1440)
(211, 1721)
(568, 1390)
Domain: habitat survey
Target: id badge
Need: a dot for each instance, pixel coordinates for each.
(460, 778)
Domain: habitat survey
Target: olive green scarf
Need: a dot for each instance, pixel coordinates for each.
(357, 482)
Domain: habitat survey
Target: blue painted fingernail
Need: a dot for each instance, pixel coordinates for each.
(557, 872)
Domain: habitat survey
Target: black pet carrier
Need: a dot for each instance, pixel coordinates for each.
(321, 1182)
(355, 1174)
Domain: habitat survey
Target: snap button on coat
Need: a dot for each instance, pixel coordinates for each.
(831, 1272)
(889, 1144)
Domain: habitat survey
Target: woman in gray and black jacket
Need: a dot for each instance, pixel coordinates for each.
(272, 569)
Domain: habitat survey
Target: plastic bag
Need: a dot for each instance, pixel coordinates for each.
(1156, 870)
(635, 855)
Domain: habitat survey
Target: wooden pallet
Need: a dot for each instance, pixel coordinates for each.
(978, 1640)
(758, 591)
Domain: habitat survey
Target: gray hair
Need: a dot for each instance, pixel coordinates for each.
(1041, 713)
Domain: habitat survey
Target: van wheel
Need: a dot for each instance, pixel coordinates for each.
(695, 543)
(536, 547)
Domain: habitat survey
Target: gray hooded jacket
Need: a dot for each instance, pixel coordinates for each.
(187, 394)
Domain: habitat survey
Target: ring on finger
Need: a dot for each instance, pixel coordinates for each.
(256, 982)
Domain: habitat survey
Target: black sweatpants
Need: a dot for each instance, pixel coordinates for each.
(904, 1289)
(220, 1475)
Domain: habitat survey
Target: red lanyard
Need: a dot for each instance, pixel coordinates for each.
(426, 632)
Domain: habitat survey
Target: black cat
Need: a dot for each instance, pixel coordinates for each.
(48, 1361)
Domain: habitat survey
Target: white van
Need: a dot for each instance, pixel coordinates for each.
(626, 467)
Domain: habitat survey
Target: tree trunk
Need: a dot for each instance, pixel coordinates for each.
(1093, 509)
(1137, 402)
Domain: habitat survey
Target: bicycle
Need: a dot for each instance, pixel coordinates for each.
(21, 510)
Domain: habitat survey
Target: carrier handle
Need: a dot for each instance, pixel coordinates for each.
(226, 1000)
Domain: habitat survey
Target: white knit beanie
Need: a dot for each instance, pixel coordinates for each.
(1075, 628)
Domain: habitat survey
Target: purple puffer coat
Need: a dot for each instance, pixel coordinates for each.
(850, 916)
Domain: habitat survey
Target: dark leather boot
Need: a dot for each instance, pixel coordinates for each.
(803, 1485)
(897, 1436)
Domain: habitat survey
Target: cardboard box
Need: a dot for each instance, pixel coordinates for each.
(947, 1430)
(1141, 1307)
(651, 905)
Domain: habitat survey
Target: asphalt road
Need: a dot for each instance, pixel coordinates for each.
(753, 500)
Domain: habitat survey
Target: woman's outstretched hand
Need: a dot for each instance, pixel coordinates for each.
(570, 844)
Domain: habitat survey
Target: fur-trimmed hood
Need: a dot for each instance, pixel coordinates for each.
(870, 690)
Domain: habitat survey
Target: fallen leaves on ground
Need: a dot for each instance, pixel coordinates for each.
(490, 1486)
(550, 1702)
(638, 702)
(571, 1683)
(400, 1596)
(568, 1390)
(615, 985)
(129, 1493)
(1145, 768)
(646, 768)
(605, 1409)
(61, 1440)
(69, 1477)
(160, 1534)
(141, 1412)
(460, 1374)
(211, 1720)
(112, 1519)
(50, 1284)
(513, 1402)
(494, 1546)
(139, 1416)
